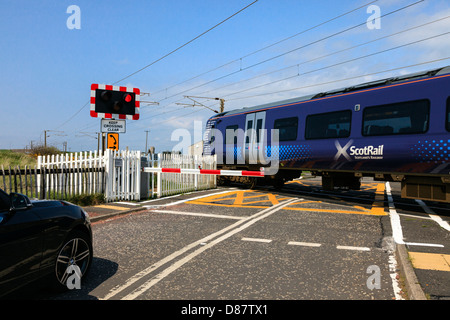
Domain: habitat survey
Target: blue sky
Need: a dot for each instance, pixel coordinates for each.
(47, 68)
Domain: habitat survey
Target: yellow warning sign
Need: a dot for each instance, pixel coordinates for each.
(112, 141)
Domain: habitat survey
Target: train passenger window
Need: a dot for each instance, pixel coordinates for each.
(447, 125)
(328, 125)
(287, 128)
(396, 118)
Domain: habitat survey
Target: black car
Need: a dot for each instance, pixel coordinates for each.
(42, 238)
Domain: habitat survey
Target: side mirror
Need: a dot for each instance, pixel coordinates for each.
(19, 202)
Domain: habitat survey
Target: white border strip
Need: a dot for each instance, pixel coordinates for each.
(397, 232)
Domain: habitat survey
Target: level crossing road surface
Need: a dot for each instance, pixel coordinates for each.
(297, 242)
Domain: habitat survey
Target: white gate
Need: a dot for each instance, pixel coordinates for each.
(123, 175)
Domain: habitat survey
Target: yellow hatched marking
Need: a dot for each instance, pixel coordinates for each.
(239, 199)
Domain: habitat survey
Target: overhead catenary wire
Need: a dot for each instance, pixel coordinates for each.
(267, 60)
(342, 62)
(297, 66)
(343, 79)
(267, 47)
(288, 52)
(301, 47)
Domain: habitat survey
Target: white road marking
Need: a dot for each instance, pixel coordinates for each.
(352, 248)
(184, 200)
(210, 215)
(205, 244)
(305, 244)
(424, 244)
(432, 214)
(397, 231)
(257, 240)
(397, 235)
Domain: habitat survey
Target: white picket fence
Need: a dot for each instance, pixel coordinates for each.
(70, 174)
(118, 175)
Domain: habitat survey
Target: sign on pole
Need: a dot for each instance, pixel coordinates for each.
(112, 141)
(118, 126)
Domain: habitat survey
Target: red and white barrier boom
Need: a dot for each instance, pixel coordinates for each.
(206, 171)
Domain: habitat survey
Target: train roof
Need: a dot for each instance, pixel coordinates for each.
(376, 83)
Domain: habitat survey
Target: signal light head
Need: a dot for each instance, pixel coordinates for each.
(106, 95)
(109, 101)
(117, 106)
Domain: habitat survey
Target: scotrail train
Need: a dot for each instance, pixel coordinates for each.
(396, 129)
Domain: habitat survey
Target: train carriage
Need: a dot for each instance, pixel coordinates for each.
(396, 129)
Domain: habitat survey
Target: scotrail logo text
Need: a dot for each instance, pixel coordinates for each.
(358, 153)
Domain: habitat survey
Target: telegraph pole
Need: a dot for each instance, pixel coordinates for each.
(146, 138)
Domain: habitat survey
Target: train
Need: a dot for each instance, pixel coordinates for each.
(394, 129)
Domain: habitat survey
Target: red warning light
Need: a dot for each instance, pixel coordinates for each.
(127, 98)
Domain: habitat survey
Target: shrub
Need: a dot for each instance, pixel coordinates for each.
(87, 199)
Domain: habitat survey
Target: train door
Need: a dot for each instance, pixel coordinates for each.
(254, 139)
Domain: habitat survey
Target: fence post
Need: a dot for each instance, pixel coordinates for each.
(107, 158)
(42, 179)
(196, 166)
(158, 176)
(137, 175)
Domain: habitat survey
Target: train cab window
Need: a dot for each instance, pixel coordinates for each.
(447, 124)
(396, 118)
(328, 125)
(287, 127)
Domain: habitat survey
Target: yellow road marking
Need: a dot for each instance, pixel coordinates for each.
(430, 261)
(105, 206)
(225, 205)
(239, 198)
(327, 210)
(378, 205)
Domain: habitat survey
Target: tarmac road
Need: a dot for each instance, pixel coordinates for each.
(294, 244)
